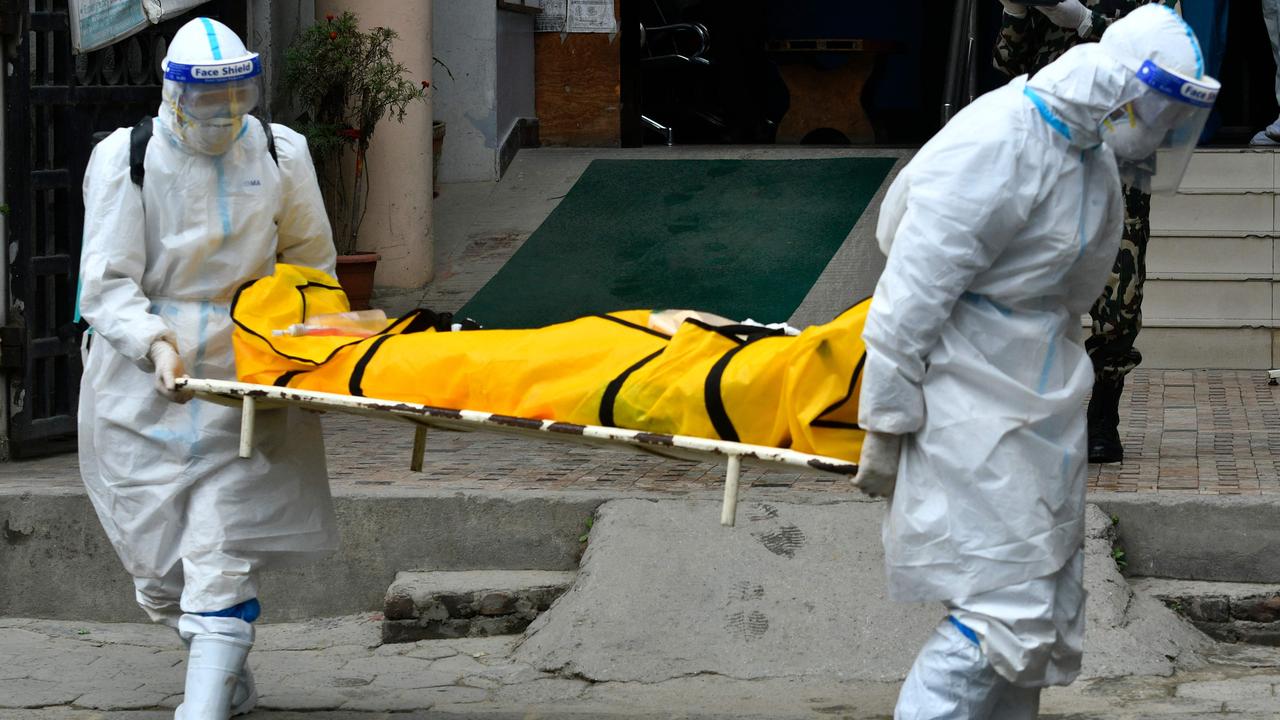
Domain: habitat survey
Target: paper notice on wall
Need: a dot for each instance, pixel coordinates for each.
(161, 10)
(552, 18)
(590, 16)
(98, 23)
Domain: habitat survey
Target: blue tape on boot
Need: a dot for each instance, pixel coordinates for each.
(248, 611)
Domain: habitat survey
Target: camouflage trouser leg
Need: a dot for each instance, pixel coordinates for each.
(1117, 314)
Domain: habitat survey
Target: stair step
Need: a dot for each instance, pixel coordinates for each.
(1208, 348)
(1249, 301)
(1229, 612)
(1211, 235)
(1257, 275)
(1232, 169)
(1218, 211)
(432, 605)
(1252, 256)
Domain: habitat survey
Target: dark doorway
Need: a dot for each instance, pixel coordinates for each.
(1247, 102)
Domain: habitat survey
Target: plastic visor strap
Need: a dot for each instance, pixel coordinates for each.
(1046, 113)
(965, 630)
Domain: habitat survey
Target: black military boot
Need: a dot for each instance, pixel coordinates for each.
(1104, 422)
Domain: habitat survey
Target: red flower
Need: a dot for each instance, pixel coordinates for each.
(333, 35)
(425, 84)
(353, 133)
(329, 17)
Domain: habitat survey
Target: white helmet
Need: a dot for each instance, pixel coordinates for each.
(1166, 102)
(211, 81)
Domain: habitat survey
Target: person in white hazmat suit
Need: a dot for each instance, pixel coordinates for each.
(192, 522)
(999, 235)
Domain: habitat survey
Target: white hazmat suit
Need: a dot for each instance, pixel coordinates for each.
(999, 234)
(191, 521)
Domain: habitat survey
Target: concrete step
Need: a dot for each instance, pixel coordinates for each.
(1250, 256)
(431, 605)
(1217, 300)
(1222, 211)
(1197, 344)
(1237, 168)
(1228, 612)
(1183, 347)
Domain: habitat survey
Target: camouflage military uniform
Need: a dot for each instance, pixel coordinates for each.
(1024, 46)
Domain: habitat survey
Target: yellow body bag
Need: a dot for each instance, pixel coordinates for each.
(739, 383)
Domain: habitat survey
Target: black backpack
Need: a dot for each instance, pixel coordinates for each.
(141, 135)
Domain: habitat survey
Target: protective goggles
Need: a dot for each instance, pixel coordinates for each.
(225, 100)
(1178, 108)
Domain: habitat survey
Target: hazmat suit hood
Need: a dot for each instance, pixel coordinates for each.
(1090, 80)
(211, 84)
(1082, 87)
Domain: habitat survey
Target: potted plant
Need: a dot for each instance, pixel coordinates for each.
(346, 81)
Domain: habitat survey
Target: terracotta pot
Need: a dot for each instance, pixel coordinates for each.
(355, 275)
(437, 147)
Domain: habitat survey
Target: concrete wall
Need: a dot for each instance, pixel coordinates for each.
(398, 221)
(273, 26)
(490, 53)
(515, 71)
(465, 39)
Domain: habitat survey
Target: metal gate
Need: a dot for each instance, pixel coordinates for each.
(55, 102)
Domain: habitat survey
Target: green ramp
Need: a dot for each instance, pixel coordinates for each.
(740, 238)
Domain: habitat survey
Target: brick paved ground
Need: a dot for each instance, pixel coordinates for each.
(1203, 431)
(1209, 432)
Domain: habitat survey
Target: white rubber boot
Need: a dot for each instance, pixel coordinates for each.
(245, 697)
(216, 668)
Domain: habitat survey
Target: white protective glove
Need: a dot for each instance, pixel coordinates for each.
(1014, 9)
(168, 369)
(1070, 14)
(878, 464)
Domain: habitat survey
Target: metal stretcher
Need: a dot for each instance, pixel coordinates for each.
(683, 447)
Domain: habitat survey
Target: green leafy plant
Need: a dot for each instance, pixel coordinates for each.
(346, 81)
(1118, 555)
(583, 537)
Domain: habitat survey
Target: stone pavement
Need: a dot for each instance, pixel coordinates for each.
(1185, 431)
(336, 668)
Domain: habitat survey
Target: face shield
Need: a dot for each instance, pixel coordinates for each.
(1154, 134)
(210, 101)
